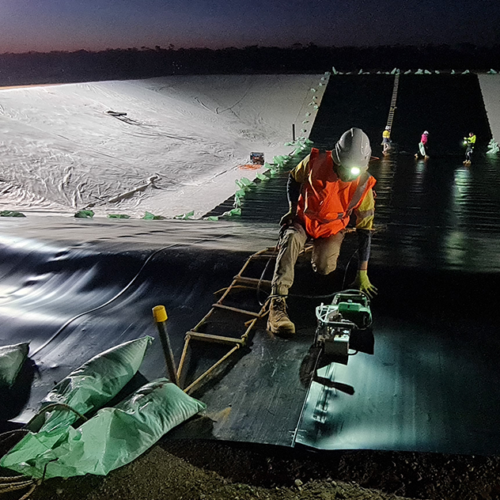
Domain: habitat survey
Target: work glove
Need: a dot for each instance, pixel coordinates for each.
(287, 219)
(363, 284)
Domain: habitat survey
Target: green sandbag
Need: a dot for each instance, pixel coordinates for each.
(85, 389)
(117, 436)
(112, 438)
(118, 216)
(244, 183)
(34, 451)
(84, 214)
(12, 358)
(11, 213)
(187, 216)
(95, 383)
(150, 216)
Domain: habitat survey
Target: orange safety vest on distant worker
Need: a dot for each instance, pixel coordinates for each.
(325, 203)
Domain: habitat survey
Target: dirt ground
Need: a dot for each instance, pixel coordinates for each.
(204, 470)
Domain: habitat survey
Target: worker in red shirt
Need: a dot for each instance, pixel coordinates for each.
(422, 146)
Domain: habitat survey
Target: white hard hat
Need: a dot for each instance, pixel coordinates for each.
(425, 132)
(388, 128)
(353, 149)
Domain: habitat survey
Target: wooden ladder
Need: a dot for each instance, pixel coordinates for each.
(394, 99)
(248, 317)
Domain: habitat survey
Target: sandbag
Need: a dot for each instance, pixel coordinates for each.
(93, 384)
(12, 358)
(112, 438)
(117, 436)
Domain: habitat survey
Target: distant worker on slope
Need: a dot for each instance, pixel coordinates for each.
(422, 146)
(470, 143)
(323, 190)
(386, 140)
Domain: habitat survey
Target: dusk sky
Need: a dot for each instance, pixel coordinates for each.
(45, 25)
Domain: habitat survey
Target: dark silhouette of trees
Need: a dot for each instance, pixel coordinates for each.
(130, 63)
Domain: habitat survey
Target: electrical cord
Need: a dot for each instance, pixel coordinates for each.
(302, 296)
(112, 299)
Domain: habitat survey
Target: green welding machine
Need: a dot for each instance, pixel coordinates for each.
(349, 311)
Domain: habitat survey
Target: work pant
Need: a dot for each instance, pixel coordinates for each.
(324, 256)
(422, 149)
(468, 154)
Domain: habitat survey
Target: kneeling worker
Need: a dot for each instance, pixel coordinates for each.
(323, 190)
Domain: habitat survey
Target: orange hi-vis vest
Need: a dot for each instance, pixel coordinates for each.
(325, 202)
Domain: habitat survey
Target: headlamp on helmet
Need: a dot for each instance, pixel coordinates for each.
(352, 153)
(348, 174)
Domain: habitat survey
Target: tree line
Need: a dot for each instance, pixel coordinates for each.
(132, 63)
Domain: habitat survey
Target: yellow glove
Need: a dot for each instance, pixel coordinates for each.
(363, 284)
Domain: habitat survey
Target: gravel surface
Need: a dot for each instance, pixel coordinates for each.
(203, 470)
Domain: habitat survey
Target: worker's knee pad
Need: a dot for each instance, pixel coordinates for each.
(324, 268)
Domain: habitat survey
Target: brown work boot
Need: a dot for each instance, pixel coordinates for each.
(278, 322)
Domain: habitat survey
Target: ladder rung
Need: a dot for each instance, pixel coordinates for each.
(234, 309)
(263, 256)
(252, 281)
(213, 338)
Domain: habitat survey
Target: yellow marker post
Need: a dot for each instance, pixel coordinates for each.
(160, 316)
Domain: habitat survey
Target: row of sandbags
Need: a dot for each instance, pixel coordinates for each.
(59, 445)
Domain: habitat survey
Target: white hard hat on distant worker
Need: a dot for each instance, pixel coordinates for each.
(425, 132)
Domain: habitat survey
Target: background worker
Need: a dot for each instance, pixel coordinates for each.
(422, 146)
(323, 190)
(386, 140)
(470, 143)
